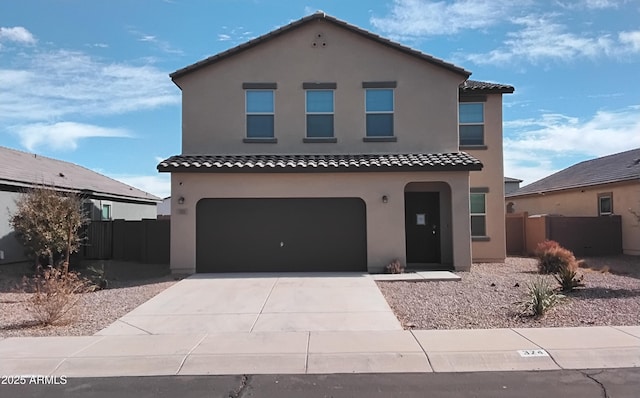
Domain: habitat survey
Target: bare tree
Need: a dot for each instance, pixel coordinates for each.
(48, 222)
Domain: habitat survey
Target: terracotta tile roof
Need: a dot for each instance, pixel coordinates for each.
(320, 163)
(472, 86)
(23, 170)
(318, 16)
(623, 166)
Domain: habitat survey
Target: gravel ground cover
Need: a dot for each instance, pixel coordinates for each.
(490, 295)
(487, 297)
(95, 310)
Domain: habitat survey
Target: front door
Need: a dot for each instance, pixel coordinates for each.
(422, 227)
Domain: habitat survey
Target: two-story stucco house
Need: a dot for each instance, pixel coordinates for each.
(323, 147)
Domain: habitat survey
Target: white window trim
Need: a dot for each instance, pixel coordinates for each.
(608, 195)
(307, 113)
(391, 112)
(247, 113)
(484, 138)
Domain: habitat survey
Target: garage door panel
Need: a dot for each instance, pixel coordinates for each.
(281, 234)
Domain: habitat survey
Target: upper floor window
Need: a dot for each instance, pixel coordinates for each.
(319, 113)
(478, 211)
(471, 123)
(605, 204)
(379, 111)
(260, 113)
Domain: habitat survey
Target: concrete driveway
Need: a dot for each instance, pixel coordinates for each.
(264, 302)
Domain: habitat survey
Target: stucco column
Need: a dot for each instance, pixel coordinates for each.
(461, 222)
(183, 226)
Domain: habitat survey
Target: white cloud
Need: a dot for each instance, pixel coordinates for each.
(235, 35)
(17, 34)
(601, 4)
(158, 185)
(416, 18)
(162, 45)
(59, 84)
(147, 38)
(541, 39)
(631, 39)
(590, 4)
(533, 147)
(61, 135)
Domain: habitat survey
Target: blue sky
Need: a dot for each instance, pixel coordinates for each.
(87, 81)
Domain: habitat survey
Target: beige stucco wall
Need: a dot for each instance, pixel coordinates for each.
(385, 221)
(491, 177)
(584, 202)
(425, 117)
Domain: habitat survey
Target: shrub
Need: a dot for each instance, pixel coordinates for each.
(395, 267)
(552, 256)
(540, 297)
(567, 277)
(47, 222)
(55, 294)
(97, 277)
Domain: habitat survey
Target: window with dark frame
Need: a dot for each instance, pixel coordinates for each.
(260, 113)
(471, 123)
(319, 112)
(477, 204)
(605, 204)
(379, 112)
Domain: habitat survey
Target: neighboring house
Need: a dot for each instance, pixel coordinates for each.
(599, 187)
(105, 198)
(324, 147)
(511, 185)
(164, 208)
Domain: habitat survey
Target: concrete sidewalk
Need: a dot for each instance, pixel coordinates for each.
(388, 351)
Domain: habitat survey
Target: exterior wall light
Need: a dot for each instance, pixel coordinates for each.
(385, 199)
(181, 200)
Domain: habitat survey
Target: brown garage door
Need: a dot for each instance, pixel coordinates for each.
(281, 235)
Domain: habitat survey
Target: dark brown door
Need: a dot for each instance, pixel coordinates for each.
(422, 227)
(281, 235)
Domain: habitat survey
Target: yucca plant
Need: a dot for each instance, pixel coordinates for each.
(567, 277)
(540, 297)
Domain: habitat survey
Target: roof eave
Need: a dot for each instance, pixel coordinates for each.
(505, 90)
(568, 188)
(311, 169)
(62, 188)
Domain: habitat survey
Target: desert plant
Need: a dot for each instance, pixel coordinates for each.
(567, 277)
(47, 223)
(540, 297)
(97, 277)
(55, 294)
(552, 256)
(395, 267)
